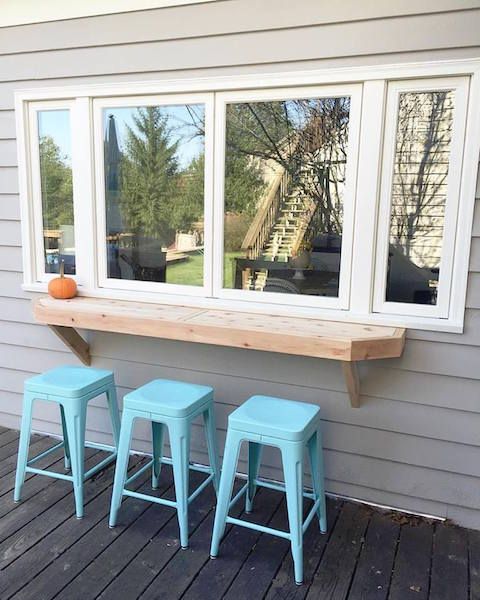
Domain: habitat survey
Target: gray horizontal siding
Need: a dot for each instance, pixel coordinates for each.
(8, 153)
(8, 180)
(219, 18)
(473, 291)
(11, 258)
(405, 34)
(10, 233)
(7, 125)
(415, 442)
(9, 207)
(475, 255)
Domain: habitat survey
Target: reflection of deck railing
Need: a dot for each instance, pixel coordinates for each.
(266, 216)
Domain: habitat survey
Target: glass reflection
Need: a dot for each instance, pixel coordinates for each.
(154, 184)
(56, 188)
(284, 186)
(418, 196)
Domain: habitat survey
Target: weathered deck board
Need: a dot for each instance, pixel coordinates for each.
(449, 564)
(374, 568)
(46, 553)
(159, 552)
(332, 579)
(411, 575)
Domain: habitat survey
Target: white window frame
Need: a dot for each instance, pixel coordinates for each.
(354, 91)
(104, 282)
(36, 207)
(374, 81)
(451, 243)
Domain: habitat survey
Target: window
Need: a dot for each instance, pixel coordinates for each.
(289, 170)
(424, 137)
(154, 213)
(348, 201)
(51, 156)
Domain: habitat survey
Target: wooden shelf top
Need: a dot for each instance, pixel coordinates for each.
(272, 333)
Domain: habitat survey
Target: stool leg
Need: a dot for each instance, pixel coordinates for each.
(180, 447)
(157, 446)
(65, 439)
(292, 457)
(316, 464)
(227, 479)
(211, 435)
(23, 445)
(114, 414)
(75, 417)
(254, 455)
(121, 467)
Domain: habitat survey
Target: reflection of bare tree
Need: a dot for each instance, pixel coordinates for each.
(308, 138)
(420, 174)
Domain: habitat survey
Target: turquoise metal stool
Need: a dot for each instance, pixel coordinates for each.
(292, 427)
(71, 388)
(171, 404)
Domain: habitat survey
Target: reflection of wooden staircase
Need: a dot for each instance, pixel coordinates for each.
(278, 229)
(288, 232)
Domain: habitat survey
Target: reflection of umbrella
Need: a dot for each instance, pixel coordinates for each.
(112, 163)
(112, 157)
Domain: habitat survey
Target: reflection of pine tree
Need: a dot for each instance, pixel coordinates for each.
(188, 207)
(149, 176)
(243, 184)
(56, 182)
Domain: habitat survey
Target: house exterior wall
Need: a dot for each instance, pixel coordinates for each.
(415, 442)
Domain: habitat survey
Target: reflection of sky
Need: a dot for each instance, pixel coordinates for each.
(56, 124)
(182, 122)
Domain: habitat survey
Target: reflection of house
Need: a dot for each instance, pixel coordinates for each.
(60, 247)
(423, 140)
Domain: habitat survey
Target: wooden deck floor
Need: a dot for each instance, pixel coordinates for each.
(45, 552)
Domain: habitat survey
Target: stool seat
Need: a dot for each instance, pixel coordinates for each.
(69, 382)
(275, 417)
(169, 398)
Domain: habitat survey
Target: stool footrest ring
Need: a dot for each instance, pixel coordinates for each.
(48, 473)
(200, 488)
(256, 527)
(138, 473)
(237, 496)
(279, 487)
(310, 515)
(101, 465)
(148, 498)
(45, 453)
(171, 503)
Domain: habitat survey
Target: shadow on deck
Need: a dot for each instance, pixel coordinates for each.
(45, 552)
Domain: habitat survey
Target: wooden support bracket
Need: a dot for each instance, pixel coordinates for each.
(71, 338)
(352, 380)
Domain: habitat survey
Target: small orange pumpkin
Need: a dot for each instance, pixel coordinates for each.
(62, 287)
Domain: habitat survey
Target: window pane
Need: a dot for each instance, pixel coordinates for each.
(57, 192)
(154, 190)
(418, 195)
(284, 186)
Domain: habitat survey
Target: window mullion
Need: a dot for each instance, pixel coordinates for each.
(83, 193)
(369, 159)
